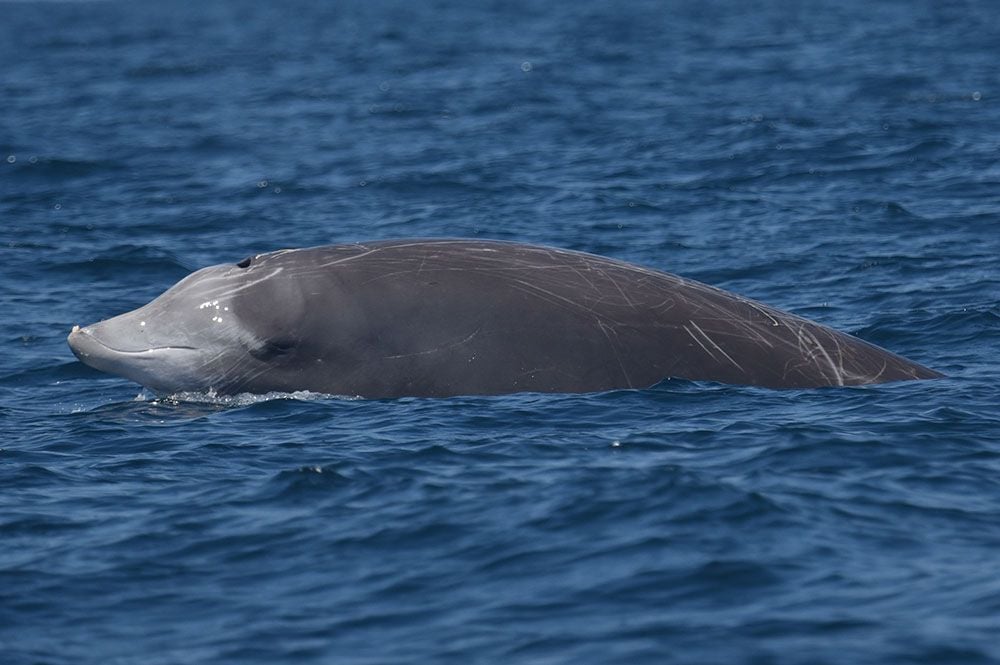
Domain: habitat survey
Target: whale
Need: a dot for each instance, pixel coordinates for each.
(449, 317)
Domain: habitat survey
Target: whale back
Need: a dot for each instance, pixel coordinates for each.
(443, 317)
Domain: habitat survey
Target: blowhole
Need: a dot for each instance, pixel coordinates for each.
(245, 263)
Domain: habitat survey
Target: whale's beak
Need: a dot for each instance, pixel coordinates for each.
(82, 343)
(91, 350)
(98, 347)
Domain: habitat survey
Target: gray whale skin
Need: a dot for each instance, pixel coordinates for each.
(435, 318)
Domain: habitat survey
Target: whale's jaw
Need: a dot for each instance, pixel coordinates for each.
(162, 368)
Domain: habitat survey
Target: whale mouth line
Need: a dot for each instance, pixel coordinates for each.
(150, 350)
(124, 352)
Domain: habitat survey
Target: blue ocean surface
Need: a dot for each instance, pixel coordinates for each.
(837, 160)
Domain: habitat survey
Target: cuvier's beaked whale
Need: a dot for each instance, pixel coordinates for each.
(464, 317)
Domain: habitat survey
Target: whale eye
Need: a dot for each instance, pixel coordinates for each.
(245, 263)
(272, 348)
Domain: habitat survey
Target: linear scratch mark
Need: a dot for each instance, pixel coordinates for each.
(805, 338)
(698, 341)
(759, 308)
(226, 291)
(345, 259)
(445, 347)
(714, 345)
(614, 349)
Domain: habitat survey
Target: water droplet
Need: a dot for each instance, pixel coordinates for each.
(384, 86)
(976, 96)
(262, 184)
(525, 66)
(58, 206)
(11, 159)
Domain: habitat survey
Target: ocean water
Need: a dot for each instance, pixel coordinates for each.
(839, 160)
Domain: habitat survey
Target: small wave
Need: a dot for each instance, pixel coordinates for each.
(109, 264)
(295, 483)
(247, 399)
(146, 406)
(56, 168)
(160, 70)
(51, 374)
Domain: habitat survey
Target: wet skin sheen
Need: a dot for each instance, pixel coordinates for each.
(461, 317)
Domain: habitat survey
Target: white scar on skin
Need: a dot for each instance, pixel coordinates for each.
(710, 341)
(445, 347)
(807, 339)
(231, 290)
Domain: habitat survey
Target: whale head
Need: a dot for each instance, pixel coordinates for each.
(216, 329)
